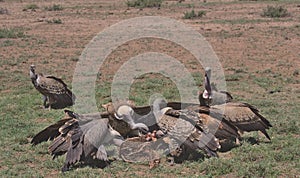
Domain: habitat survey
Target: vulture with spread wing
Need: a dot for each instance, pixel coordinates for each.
(80, 137)
(56, 94)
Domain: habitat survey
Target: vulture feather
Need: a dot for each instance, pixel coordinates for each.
(244, 116)
(80, 137)
(56, 94)
(178, 131)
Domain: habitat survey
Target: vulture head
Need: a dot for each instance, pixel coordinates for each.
(32, 72)
(205, 97)
(125, 113)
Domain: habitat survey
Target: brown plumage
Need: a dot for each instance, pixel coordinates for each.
(221, 128)
(56, 94)
(80, 137)
(244, 116)
(177, 126)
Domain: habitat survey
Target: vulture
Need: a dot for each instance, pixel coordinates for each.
(80, 137)
(56, 94)
(211, 96)
(243, 116)
(178, 130)
(221, 127)
(121, 120)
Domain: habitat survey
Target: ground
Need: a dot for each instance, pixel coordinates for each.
(260, 57)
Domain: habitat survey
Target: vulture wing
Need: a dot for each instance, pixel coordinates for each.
(175, 124)
(49, 133)
(57, 91)
(244, 116)
(215, 122)
(79, 136)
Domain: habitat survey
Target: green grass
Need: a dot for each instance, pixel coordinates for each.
(54, 7)
(32, 7)
(55, 21)
(144, 3)
(21, 117)
(192, 14)
(275, 12)
(12, 33)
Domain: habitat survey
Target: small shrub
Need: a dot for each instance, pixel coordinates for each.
(144, 3)
(32, 7)
(275, 12)
(192, 14)
(55, 7)
(3, 10)
(56, 21)
(11, 33)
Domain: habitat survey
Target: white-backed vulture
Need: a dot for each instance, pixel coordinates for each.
(80, 137)
(242, 115)
(56, 94)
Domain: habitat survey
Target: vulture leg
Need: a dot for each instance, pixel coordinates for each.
(49, 102)
(237, 141)
(66, 167)
(45, 101)
(101, 153)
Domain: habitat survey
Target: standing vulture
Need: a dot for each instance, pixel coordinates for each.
(56, 94)
(242, 115)
(81, 137)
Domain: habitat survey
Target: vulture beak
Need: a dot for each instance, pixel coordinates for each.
(123, 111)
(118, 117)
(32, 72)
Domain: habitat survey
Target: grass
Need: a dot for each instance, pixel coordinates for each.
(55, 21)
(3, 10)
(12, 33)
(192, 14)
(54, 7)
(31, 7)
(144, 3)
(275, 12)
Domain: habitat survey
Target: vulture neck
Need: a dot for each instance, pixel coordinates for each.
(157, 111)
(33, 76)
